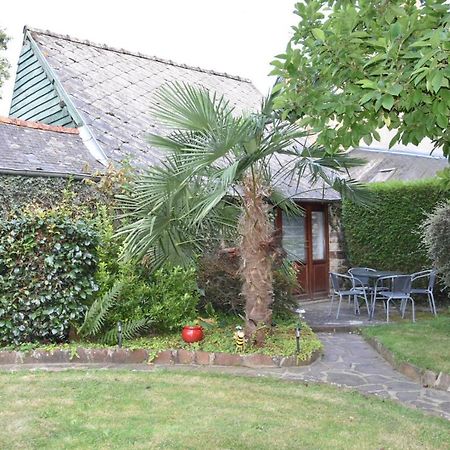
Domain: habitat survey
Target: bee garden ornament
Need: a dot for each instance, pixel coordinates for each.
(239, 339)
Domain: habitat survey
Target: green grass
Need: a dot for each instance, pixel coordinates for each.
(425, 344)
(143, 410)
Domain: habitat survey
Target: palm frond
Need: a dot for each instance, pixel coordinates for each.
(286, 204)
(184, 107)
(354, 190)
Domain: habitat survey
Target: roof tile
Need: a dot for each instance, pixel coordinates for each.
(114, 90)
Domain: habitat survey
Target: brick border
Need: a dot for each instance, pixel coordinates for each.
(142, 356)
(37, 125)
(427, 378)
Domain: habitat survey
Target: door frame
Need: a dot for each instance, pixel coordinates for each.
(306, 271)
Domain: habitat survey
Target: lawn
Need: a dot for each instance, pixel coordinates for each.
(142, 410)
(425, 343)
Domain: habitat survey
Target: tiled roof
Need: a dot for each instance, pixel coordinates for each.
(113, 89)
(35, 147)
(384, 165)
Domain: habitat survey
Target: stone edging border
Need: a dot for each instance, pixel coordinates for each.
(427, 378)
(142, 356)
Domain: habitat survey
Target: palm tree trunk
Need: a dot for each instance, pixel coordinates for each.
(256, 231)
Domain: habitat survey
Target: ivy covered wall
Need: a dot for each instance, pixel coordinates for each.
(18, 191)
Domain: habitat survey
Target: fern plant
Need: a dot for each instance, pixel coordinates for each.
(130, 330)
(97, 315)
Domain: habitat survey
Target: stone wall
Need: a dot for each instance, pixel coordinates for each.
(338, 258)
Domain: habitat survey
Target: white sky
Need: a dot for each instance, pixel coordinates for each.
(240, 37)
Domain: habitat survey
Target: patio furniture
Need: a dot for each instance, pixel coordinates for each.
(362, 274)
(393, 287)
(428, 290)
(343, 286)
(369, 278)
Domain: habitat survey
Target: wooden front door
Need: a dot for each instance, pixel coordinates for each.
(305, 239)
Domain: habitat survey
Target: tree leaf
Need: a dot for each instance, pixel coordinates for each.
(437, 80)
(318, 34)
(442, 121)
(395, 89)
(387, 101)
(366, 97)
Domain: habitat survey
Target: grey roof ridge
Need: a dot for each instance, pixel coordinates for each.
(398, 152)
(137, 54)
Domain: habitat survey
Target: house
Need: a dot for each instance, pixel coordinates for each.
(78, 106)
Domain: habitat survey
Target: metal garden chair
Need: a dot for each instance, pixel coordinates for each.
(428, 290)
(343, 286)
(361, 277)
(393, 287)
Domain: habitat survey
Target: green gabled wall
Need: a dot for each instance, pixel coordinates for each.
(35, 96)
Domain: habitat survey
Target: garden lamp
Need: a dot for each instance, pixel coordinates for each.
(119, 334)
(298, 328)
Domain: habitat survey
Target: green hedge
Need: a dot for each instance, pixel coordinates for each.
(387, 235)
(47, 265)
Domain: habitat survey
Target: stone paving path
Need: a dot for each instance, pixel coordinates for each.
(347, 361)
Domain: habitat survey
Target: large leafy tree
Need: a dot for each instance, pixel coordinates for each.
(4, 66)
(353, 67)
(220, 169)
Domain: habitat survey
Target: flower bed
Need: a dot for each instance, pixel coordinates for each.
(216, 349)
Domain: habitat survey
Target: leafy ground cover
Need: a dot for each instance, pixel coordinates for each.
(280, 342)
(141, 410)
(425, 343)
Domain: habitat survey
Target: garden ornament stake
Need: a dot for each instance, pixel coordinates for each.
(239, 338)
(119, 334)
(298, 328)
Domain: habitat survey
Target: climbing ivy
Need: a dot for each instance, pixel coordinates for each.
(47, 264)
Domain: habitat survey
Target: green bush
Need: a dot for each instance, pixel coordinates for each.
(436, 238)
(130, 293)
(123, 289)
(172, 298)
(134, 278)
(386, 235)
(221, 284)
(47, 262)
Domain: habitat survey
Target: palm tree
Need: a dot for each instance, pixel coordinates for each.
(221, 170)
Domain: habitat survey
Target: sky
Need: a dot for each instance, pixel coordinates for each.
(240, 37)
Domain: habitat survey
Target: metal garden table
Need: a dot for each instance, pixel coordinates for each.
(372, 278)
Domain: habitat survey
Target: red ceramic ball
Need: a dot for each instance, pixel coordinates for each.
(192, 334)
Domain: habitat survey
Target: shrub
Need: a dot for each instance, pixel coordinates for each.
(173, 297)
(436, 238)
(123, 289)
(47, 262)
(221, 284)
(128, 292)
(386, 235)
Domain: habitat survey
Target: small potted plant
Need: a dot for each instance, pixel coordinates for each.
(193, 332)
